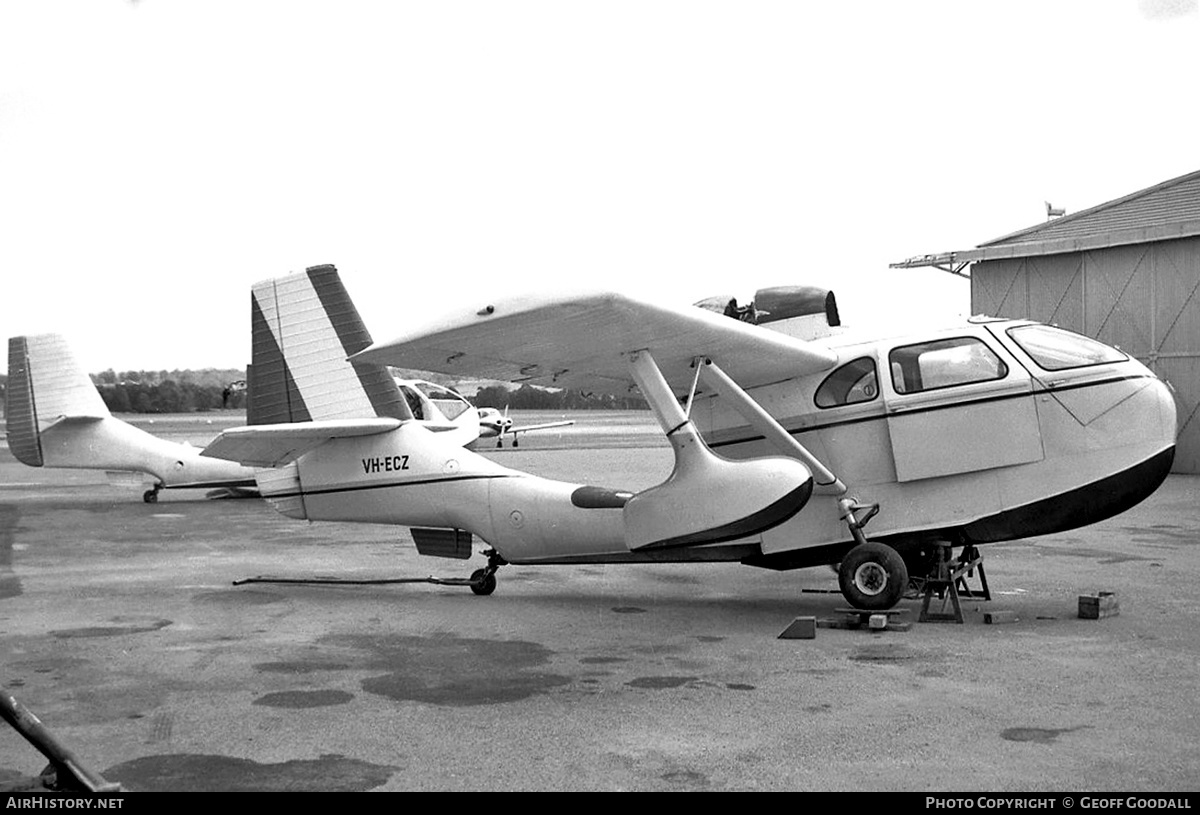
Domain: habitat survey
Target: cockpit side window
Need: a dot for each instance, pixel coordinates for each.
(449, 402)
(414, 402)
(850, 384)
(1054, 349)
(943, 364)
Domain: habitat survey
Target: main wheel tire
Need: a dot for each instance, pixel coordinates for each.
(873, 576)
(483, 582)
(150, 496)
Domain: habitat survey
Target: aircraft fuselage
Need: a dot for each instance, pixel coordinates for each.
(960, 436)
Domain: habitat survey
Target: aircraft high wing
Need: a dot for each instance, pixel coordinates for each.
(585, 342)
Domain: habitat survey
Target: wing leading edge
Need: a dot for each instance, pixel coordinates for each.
(583, 342)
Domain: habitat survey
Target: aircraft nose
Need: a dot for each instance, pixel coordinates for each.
(1167, 407)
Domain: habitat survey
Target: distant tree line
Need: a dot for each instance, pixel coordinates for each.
(216, 389)
(171, 391)
(529, 397)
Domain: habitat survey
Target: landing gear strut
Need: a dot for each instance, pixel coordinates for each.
(872, 576)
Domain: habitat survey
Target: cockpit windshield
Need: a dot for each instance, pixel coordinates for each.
(1055, 349)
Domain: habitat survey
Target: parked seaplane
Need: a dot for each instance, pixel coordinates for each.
(55, 417)
(789, 435)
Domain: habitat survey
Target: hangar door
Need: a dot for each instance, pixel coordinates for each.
(1143, 298)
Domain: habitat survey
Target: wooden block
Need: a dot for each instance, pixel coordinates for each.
(889, 612)
(847, 622)
(802, 628)
(998, 617)
(878, 622)
(1100, 605)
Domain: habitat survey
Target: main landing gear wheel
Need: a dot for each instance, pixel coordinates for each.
(873, 576)
(483, 581)
(150, 496)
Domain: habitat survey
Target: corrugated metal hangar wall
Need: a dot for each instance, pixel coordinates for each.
(1141, 297)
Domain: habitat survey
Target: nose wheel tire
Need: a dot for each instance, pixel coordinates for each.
(873, 576)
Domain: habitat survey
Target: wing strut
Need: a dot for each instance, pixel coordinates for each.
(707, 498)
(657, 392)
(764, 423)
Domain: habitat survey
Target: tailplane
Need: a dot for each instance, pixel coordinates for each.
(46, 386)
(303, 327)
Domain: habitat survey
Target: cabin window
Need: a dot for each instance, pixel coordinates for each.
(943, 364)
(1054, 349)
(850, 384)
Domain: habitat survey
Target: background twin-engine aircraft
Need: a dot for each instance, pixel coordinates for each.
(985, 431)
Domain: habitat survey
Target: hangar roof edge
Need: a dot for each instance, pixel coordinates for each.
(1165, 211)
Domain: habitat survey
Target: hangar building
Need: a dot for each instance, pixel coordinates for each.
(1126, 272)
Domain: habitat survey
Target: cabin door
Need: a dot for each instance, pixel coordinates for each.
(959, 405)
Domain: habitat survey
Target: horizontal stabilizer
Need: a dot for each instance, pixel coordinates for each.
(68, 420)
(274, 445)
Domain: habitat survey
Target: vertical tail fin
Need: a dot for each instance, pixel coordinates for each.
(303, 328)
(45, 385)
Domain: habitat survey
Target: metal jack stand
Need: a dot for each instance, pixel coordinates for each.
(950, 583)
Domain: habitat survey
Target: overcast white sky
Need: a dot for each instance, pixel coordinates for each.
(158, 157)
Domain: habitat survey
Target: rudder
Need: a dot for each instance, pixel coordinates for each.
(303, 328)
(45, 385)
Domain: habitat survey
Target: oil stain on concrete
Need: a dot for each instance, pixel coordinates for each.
(1038, 735)
(299, 666)
(298, 699)
(109, 630)
(454, 671)
(602, 660)
(885, 652)
(188, 772)
(661, 682)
